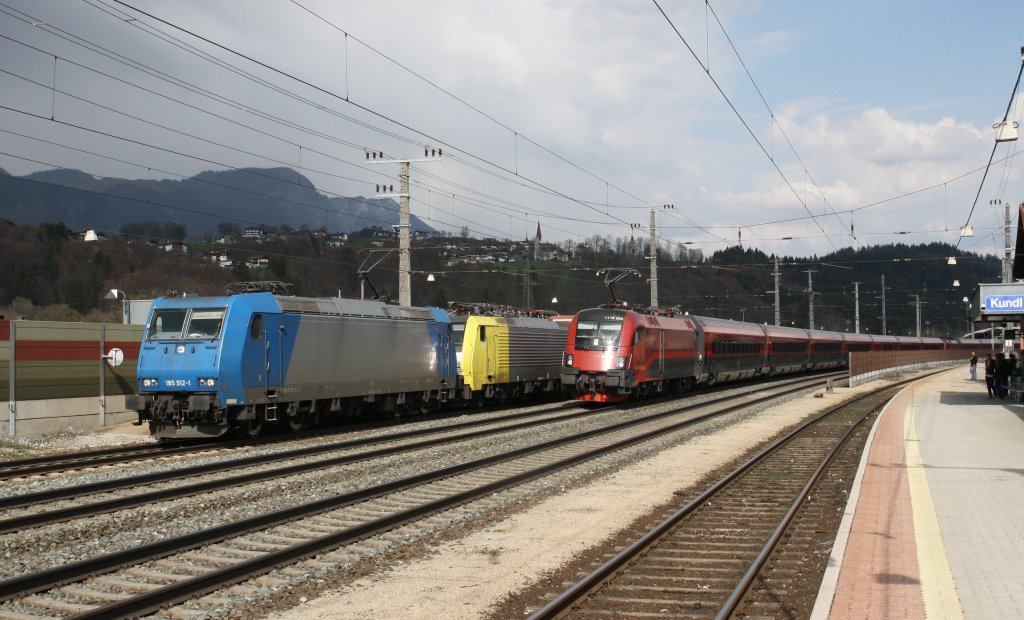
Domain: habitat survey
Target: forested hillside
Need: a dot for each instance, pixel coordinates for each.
(49, 273)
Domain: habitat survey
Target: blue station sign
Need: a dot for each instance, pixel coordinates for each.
(1009, 304)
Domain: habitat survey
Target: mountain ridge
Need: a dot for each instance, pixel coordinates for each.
(247, 197)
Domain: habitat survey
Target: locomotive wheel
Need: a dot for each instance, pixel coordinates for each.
(301, 422)
(251, 429)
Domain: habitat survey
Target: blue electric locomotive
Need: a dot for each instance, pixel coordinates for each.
(209, 365)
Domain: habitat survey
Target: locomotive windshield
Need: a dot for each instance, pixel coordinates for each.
(167, 324)
(181, 323)
(598, 335)
(204, 324)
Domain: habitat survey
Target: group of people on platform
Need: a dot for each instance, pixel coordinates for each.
(998, 371)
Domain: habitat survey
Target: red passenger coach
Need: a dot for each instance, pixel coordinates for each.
(788, 349)
(827, 350)
(732, 350)
(856, 343)
(613, 354)
(885, 343)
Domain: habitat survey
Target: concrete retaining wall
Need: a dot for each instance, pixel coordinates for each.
(39, 417)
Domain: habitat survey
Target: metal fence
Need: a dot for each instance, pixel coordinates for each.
(48, 360)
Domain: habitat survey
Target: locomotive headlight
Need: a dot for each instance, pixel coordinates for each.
(149, 382)
(207, 382)
(620, 362)
(568, 360)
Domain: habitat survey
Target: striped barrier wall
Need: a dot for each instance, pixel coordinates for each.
(53, 374)
(868, 365)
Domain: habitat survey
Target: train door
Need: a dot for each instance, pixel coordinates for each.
(494, 353)
(273, 364)
(661, 353)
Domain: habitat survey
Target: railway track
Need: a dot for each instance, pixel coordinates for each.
(33, 509)
(180, 569)
(746, 546)
(167, 449)
(27, 510)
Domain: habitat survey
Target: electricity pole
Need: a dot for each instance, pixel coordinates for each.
(810, 300)
(778, 313)
(654, 264)
(654, 257)
(917, 303)
(856, 307)
(404, 267)
(884, 331)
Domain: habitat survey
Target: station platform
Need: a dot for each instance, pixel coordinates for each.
(935, 523)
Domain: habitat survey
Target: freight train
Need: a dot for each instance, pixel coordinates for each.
(242, 363)
(614, 353)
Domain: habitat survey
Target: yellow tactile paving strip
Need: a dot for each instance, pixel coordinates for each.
(937, 587)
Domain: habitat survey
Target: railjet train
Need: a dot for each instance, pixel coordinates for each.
(614, 353)
(243, 363)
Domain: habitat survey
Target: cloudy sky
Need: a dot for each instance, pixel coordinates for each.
(781, 123)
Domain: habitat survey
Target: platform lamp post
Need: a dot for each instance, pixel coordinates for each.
(126, 307)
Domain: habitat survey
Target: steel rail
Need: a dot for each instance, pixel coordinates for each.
(55, 516)
(125, 454)
(38, 519)
(60, 575)
(592, 581)
(155, 600)
(730, 605)
(25, 499)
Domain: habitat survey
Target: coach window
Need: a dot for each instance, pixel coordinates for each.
(256, 329)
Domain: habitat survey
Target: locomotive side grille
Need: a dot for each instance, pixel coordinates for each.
(532, 348)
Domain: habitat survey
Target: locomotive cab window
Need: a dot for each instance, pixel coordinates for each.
(256, 329)
(598, 335)
(205, 324)
(167, 324)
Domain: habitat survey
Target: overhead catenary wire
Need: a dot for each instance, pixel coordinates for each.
(553, 215)
(746, 125)
(771, 112)
(182, 133)
(995, 145)
(327, 92)
(216, 97)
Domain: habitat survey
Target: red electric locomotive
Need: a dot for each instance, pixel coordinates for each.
(613, 354)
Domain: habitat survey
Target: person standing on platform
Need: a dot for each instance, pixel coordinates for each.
(974, 366)
(990, 372)
(1000, 375)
